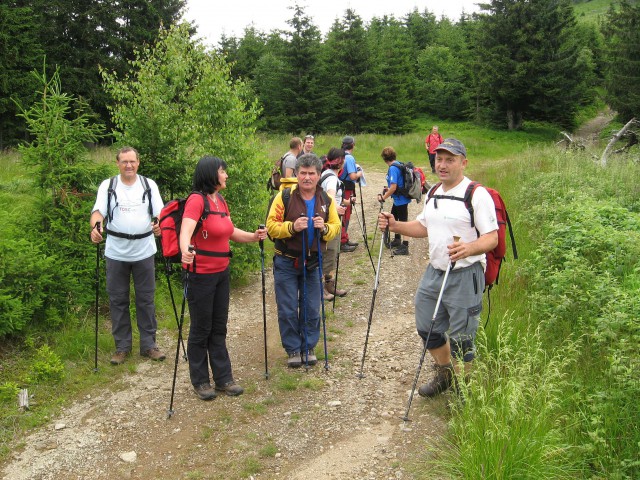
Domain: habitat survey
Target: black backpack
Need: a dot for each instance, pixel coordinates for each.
(111, 192)
(273, 184)
(412, 181)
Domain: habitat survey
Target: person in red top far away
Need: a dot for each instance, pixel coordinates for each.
(431, 143)
(208, 284)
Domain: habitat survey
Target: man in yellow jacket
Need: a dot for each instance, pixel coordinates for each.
(296, 217)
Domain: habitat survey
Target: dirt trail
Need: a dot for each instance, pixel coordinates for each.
(588, 133)
(296, 425)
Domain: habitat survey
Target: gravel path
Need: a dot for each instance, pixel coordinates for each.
(295, 425)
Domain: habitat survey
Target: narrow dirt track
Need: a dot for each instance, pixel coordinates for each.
(295, 425)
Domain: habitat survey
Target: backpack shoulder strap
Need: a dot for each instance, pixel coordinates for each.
(468, 194)
(111, 192)
(286, 197)
(432, 192)
(147, 193)
(326, 174)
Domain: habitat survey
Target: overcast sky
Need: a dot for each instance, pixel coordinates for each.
(230, 17)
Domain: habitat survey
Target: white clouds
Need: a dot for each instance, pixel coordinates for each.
(215, 17)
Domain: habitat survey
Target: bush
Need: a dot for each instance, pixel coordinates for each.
(46, 367)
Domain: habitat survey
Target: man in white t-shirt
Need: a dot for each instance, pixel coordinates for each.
(334, 187)
(128, 203)
(443, 217)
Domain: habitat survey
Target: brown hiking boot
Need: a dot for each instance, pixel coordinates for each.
(310, 358)
(294, 361)
(154, 354)
(327, 295)
(118, 358)
(204, 391)
(230, 388)
(442, 381)
(330, 286)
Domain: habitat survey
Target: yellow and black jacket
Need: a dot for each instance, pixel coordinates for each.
(284, 212)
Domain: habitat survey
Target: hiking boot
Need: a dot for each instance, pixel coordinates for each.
(352, 244)
(118, 358)
(154, 354)
(230, 388)
(327, 295)
(294, 360)
(345, 247)
(310, 358)
(401, 250)
(395, 243)
(438, 384)
(330, 286)
(204, 391)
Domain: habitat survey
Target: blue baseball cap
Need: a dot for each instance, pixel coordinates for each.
(453, 146)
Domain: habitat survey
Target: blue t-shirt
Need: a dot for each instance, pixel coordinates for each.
(311, 212)
(348, 168)
(394, 175)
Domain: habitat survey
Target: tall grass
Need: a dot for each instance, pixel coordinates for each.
(510, 425)
(556, 386)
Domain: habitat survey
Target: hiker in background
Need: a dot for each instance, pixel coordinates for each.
(309, 142)
(289, 158)
(128, 202)
(331, 184)
(296, 213)
(400, 208)
(349, 176)
(208, 276)
(431, 143)
(456, 323)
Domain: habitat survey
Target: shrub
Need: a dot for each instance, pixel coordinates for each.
(46, 366)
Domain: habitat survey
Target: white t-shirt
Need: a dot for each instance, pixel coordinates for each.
(332, 182)
(452, 218)
(130, 216)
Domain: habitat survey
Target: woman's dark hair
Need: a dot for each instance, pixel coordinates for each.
(205, 178)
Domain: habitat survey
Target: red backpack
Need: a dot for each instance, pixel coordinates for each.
(495, 256)
(423, 180)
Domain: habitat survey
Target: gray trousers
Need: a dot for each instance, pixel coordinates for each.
(330, 255)
(459, 312)
(118, 287)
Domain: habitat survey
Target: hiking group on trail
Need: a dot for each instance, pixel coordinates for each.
(308, 220)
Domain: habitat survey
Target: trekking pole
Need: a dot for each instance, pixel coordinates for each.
(373, 242)
(373, 302)
(364, 236)
(324, 319)
(167, 269)
(264, 307)
(333, 306)
(97, 227)
(304, 295)
(364, 223)
(426, 342)
(180, 323)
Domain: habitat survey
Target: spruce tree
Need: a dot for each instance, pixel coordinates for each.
(622, 33)
(526, 60)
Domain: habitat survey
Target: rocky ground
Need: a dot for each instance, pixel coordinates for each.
(321, 424)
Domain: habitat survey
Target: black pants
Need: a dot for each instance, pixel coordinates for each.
(401, 214)
(208, 296)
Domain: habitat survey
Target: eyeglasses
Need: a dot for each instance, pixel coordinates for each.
(309, 136)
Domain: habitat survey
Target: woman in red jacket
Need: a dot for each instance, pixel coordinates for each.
(208, 286)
